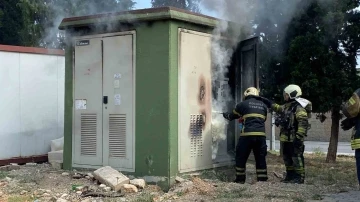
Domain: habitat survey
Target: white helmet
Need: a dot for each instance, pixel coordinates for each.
(251, 91)
(293, 91)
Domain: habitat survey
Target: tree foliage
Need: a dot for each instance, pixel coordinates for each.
(323, 59)
(191, 5)
(11, 23)
(35, 23)
(319, 54)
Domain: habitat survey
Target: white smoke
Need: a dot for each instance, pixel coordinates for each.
(239, 20)
(66, 9)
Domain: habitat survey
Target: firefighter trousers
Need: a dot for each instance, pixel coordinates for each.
(245, 145)
(293, 156)
(357, 158)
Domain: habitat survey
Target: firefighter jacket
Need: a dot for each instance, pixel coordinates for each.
(351, 109)
(254, 112)
(294, 121)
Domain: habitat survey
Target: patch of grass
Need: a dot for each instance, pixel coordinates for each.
(298, 199)
(208, 174)
(20, 199)
(180, 193)
(3, 174)
(342, 173)
(216, 174)
(34, 177)
(235, 193)
(222, 176)
(317, 152)
(271, 196)
(108, 199)
(144, 197)
(274, 152)
(317, 197)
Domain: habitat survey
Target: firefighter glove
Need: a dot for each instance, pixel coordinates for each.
(298, 140)
(227, 116)
(347, 124)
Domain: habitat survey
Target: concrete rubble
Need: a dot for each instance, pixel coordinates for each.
(179, 180)
(139, 183)
(103, 182)
(12, 166)
(30, 164)
(111, 177)
(55, 156)
(129, 188)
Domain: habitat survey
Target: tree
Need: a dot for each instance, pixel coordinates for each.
(10, 23)
(322, 58)
(191, 5)
(36, 22)
(317, 52)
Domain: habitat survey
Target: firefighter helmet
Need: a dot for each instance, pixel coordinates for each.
(293, 91)
(251, 91)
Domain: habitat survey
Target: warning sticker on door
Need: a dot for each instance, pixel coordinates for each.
(80, 104)
(117, 76)
(117, 99)
(116, 83)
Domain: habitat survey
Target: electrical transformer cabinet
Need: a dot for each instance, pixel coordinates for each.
(104, 101)
(196, 135)
(139, 93)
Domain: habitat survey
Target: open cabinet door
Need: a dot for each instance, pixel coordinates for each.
(247, 73)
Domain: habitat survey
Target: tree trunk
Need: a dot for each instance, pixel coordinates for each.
(334, 139)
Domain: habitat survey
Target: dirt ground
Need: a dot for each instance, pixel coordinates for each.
(43, 183)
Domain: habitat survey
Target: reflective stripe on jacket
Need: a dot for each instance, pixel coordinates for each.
(254, 113)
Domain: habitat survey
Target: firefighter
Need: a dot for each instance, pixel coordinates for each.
(293, 121)
(252, 137)
(351, 109)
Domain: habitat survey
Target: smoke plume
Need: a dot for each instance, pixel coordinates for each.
(241, 19)
(58, 10)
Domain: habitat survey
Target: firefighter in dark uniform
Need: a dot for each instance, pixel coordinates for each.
(253, 111)
(293, 121)
(351, 109)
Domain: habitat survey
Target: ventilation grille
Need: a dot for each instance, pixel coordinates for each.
(196, 124)
(117, 135)
(196, 145)
(88, 134)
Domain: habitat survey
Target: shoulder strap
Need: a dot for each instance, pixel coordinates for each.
(294, 107)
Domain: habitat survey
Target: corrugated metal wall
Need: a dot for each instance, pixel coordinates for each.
(31, 102)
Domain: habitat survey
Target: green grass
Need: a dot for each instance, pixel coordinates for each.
(317, 197)
(272, 196)
(144, 197)
(20, 199)
(317, 152)
(342, 173)
(234, 194)
(3, 174)
(221, 174)
(274, 152)
(298, 199)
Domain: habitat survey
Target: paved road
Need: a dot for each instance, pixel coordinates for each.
(313, 146)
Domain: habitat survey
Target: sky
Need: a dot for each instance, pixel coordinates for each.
(141, 4)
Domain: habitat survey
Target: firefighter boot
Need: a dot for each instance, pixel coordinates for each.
(298, 180)
(240, 180)
(290, 175)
